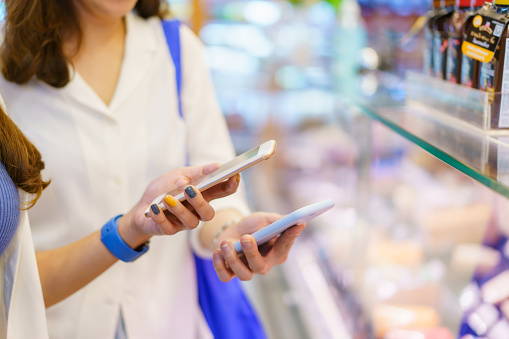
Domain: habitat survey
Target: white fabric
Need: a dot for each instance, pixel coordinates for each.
(22, 313)
(100, 159)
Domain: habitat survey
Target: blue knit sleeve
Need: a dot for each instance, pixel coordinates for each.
(9, 209)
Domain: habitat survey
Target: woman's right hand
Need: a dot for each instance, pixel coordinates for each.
(136, 229)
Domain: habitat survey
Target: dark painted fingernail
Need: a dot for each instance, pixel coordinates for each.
(155, 209)
(190, 192)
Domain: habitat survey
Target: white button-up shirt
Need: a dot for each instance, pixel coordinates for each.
(100, 159)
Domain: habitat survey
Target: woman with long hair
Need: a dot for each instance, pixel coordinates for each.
(20, 167)
(67, 269)
(92, 83)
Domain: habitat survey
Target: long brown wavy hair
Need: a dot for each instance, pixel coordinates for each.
(35, 31)
(21, 159)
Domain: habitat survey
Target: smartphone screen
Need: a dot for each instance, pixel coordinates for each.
(225, 171)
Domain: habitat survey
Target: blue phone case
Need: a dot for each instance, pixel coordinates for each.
(299, 216)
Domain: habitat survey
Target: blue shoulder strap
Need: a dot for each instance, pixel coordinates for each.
(225, 305)
(172, 33)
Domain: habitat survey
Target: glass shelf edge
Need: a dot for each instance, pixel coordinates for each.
(436, 152)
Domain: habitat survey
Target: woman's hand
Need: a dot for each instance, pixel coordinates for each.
(65, 270)
(135, 228)
(229, 264)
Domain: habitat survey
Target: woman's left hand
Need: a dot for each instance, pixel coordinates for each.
(254, 260)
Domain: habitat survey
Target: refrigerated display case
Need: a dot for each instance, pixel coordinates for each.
(419, 227)
(417, 244)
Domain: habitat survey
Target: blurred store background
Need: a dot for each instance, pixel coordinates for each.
(284, 60)
(378, 265)
(414, 249)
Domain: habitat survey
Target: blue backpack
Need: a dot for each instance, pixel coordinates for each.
(225, 305)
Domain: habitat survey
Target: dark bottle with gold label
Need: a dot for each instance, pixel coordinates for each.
(494, 75)
(470, 67)
(459, 25)
(440, 28)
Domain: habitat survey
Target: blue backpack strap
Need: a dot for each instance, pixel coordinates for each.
(225, 305)
(172, 32)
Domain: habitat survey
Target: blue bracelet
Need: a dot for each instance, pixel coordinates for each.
(116, 245)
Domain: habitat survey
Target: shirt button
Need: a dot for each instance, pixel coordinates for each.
(118, 181)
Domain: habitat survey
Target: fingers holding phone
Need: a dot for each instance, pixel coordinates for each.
(188, 213)
(173, 219)
(218, 177)
(172, 215)
(223, 189)
(177, 179)
(269, 244)
(179, 216)
(254, 259)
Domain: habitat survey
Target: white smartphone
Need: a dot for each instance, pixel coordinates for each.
(226, 171)
(297, 217)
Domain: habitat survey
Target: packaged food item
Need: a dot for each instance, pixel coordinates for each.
(492, 71)
(434, 333)
(440, 30)
(470, 297)
(388, 317)
(496, 289)
(387, 252)
(459, 25)
(499, 330)
(483, 318)
(470, 257)
(426, 295)
(453, 225)
(486, 41)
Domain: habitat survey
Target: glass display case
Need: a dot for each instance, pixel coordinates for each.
(417, 244)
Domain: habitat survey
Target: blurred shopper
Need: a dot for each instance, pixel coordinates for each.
(92, 84)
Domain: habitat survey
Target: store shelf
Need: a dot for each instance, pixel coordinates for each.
(479, 155)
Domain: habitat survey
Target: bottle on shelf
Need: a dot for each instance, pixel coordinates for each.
(440, 30)
(462, 69)
(436, 6)
(486, 42)
(491, 73)
(494, 74)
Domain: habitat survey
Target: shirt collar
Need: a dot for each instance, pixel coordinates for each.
(140, 46)
(139, 35)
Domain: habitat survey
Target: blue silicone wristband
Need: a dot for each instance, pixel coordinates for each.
(116, 245)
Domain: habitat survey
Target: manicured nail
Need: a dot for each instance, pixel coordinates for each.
(190, 192)
(155, 209)
(170, 201)
(238, 178)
